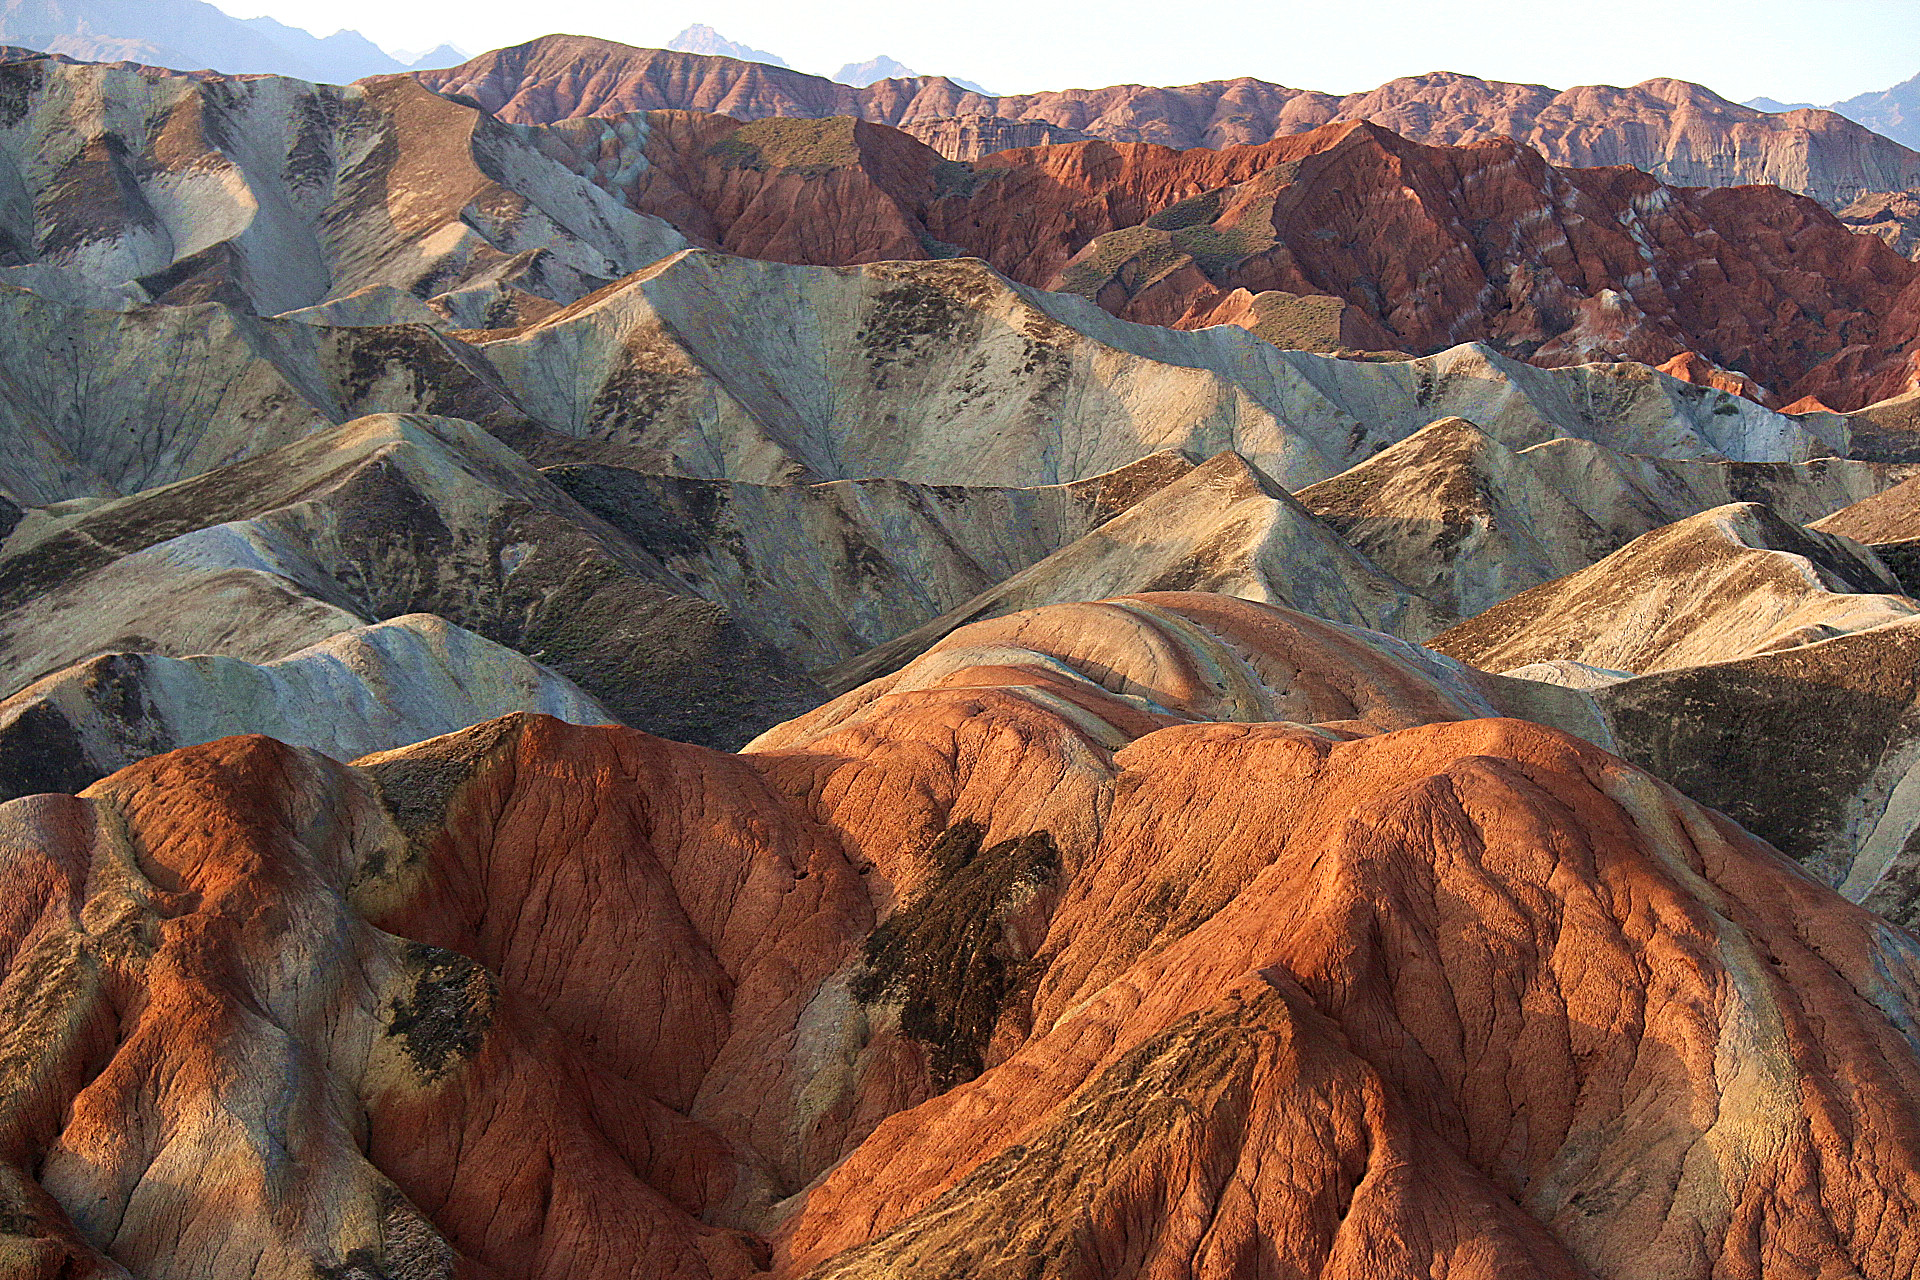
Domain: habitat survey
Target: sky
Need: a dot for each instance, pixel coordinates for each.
(1793, 50)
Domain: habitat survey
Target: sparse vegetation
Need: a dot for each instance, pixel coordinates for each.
(809, 147)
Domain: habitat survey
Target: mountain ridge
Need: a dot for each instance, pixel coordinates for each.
(1679, 131)
(191, 35)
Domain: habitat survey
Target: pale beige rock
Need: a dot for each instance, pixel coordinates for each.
(1725, 584)
(363, 690)
(1468, 522)
(1223, 528)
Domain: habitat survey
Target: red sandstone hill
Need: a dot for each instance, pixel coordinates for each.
(1022, 967)
(1346, 237)
(1681, 132)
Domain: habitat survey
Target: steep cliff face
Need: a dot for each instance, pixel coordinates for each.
(1027, 966)
(1682, 133)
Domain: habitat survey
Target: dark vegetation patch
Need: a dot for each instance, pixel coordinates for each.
(443, 1020)
(1191, 212)
(910, 315)
(1108, 495)
(1299, 322)
(959, 178)
(1138, 254)
(660, 660)
(1040, 1210)
(939, 250)
(811, 147)
(419, 786)
(1779, 742)
(94, 197)
(309, 160)
(233, 492)
(41, 751)
(19, 81)
(211, 275)
(665, 515)
(649, 377)
(943, 955)
(1210, 562)
(1904, 559)
(1216, 250)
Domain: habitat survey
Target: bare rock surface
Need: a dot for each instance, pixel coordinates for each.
(1556, 265)
(931, 372)
(1223, 528)
(945, 372)
(274, 194)
(1678, 131)
(1730, 582)
(368, 689)
(824, 572)
(1842, 710)
(380, 518)
(1181, 656)
(1017, 964)
(1467, 521)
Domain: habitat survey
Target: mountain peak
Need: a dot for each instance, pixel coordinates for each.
(873, 70)
(701, 38)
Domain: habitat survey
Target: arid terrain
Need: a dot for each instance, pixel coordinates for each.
(621, 663)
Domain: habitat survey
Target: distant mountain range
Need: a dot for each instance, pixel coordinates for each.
(862, 74)
(193, 35)
(700, 38)
(703, 39)
(1894, 112)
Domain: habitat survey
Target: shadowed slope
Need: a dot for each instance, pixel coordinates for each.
(385, 516)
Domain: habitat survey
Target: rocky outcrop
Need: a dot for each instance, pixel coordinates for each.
(276, 197)
(1843, 710)
(1222, 528)
(1011, 966)
(1690, 366)
(273, 194)
(979, 381)
(1727, 583)
(1894, 216)
(1682, 133)
(1558, 266)
(1306, 240)
(824, 572)
(368, 689)
(1165, 658)
(384, 517)
(1468, 522)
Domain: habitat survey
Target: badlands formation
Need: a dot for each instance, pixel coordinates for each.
(590, 689)
(1680, 132)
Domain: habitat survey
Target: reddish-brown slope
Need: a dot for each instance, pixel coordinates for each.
(1682, 132)
(1376, 999)
(1417, 248)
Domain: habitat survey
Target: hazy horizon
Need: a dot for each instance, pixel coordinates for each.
(1771, 48)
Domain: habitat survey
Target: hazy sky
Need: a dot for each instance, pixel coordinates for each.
(1793, 50)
